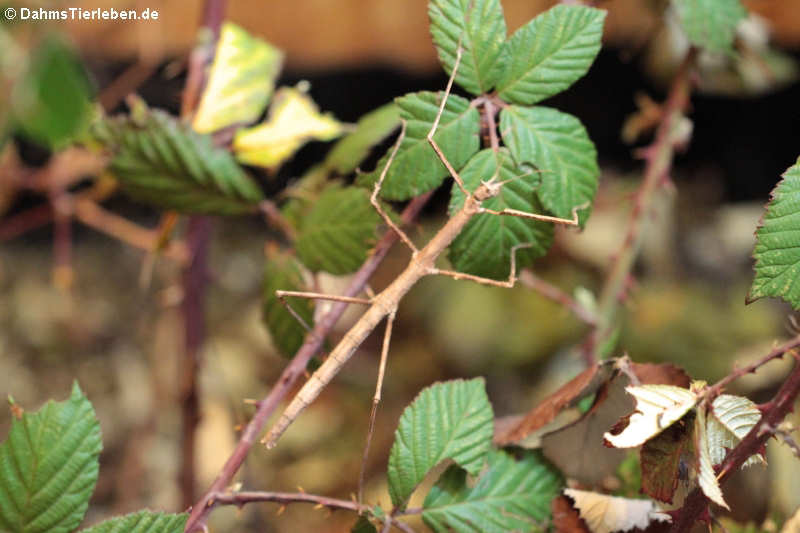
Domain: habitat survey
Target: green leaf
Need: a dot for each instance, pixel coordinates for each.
(549, 53)
(240, 82)
(416, 168)
(509, 495)
(710, 24)
(283, 272)
(338, 232)
(161, 161)
(48, 467)
(294, 119)
(481, 28)
(363, 525)
(557, 144)
(142, 522)
(451, 420)
(51, 103)
(777, 251)
(484, 246)
(371, 129)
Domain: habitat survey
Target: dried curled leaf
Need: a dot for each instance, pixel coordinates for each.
(657, 407)
(706, 476)
(606, 514)
(732, 417)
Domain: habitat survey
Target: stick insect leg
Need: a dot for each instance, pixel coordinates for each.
(435, 125)
(509, 283)
(314, 296)
(375, 401)
(374, 198)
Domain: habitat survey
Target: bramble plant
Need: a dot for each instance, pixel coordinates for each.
(518, 169)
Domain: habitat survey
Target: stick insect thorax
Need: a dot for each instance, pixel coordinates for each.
(422, 263)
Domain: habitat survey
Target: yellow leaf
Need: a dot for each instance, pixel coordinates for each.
(294, 119)
(240, 82)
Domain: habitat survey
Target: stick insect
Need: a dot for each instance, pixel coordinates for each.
(422, 263)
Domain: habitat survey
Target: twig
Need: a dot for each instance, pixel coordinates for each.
(296, 368)
(285, 498)
(195, 276)
(659, 156)
(773, 413)
(551, 292)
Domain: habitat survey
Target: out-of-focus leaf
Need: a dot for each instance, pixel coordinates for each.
(706, 476)
(142, 522)
(163, 162)
(777, 251)
(730, 420)
(352, 149)
(480, 27)
(48, 467)
(416, 168)
(509, 495)
(557, 144)
(660, 459)
(657, 407)
(484, 245)
(606, 514)
(363, 525)
(549, 53)
(51, 104)
(451, 420)
(710, 24)
(240, 82)
(583, 385)
(284, 273)
(338, 231)
(293, 120)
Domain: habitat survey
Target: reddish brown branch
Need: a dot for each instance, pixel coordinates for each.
(773, 413)
(295, 369)
(658, 156)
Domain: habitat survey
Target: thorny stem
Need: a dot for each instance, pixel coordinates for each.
(659, 156)
(295, 369)
(242, 498)
(773, 413)
(195, 276)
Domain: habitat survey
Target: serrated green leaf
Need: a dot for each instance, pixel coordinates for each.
(549, 53)
(732, 417)
(777, 250)
(338, 232)
(371, 129)
(142, 522)
(51, 104)
(240, 82)
(559, 146)
(162, 162)
(509, 495)
(451, 420)
(710, 24)
(294, 119)
(416, 168)
(48, 467)
(481, 28)
(706, 476)
(363, 525)
(283, 272)
(484, 245)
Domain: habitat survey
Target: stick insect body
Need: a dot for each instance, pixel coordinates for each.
(422, 263)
